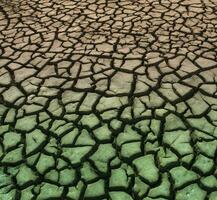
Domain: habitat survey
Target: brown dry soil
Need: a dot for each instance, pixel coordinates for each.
(108, 100)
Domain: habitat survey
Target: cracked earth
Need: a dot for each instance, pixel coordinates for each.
(108, 100)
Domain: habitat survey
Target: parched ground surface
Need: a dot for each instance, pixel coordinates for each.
(108, 100)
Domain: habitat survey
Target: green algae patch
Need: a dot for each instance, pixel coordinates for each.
(26, 123)
(12, 94)
(213, 196)
(191, 192)
(179, 140)
(115, 124)
(162, 190)
(75, 191)
(120, 196)
(90, 120)
(25, 176)
(128, 135)
(11, 139)
(95, 189)
(34, 140)
(103, 133)
(203, 163)
(10, 117)
(131, 149)
(209, 181)
(44, 163)
(70, 137)
(49, 191)
(102, 156)
(84, 138)
(173, 123)
(166, 157)
(88, 173)
(8, 195)
(52, 175)
(27, 194)
(140, 187)
(146, 168)
(5, 180)
(67, 176)
(104, 153)
(76, 154)
(182, 176)
(55, 108)
(13, 156)
(207, 148)
(118, 178)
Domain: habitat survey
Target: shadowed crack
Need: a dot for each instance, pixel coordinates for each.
(108, 100)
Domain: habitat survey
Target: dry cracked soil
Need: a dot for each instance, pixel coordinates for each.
(108, 99)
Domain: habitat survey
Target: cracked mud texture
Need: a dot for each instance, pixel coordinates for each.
(108, 100)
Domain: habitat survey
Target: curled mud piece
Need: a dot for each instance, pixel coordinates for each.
(108, 100)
